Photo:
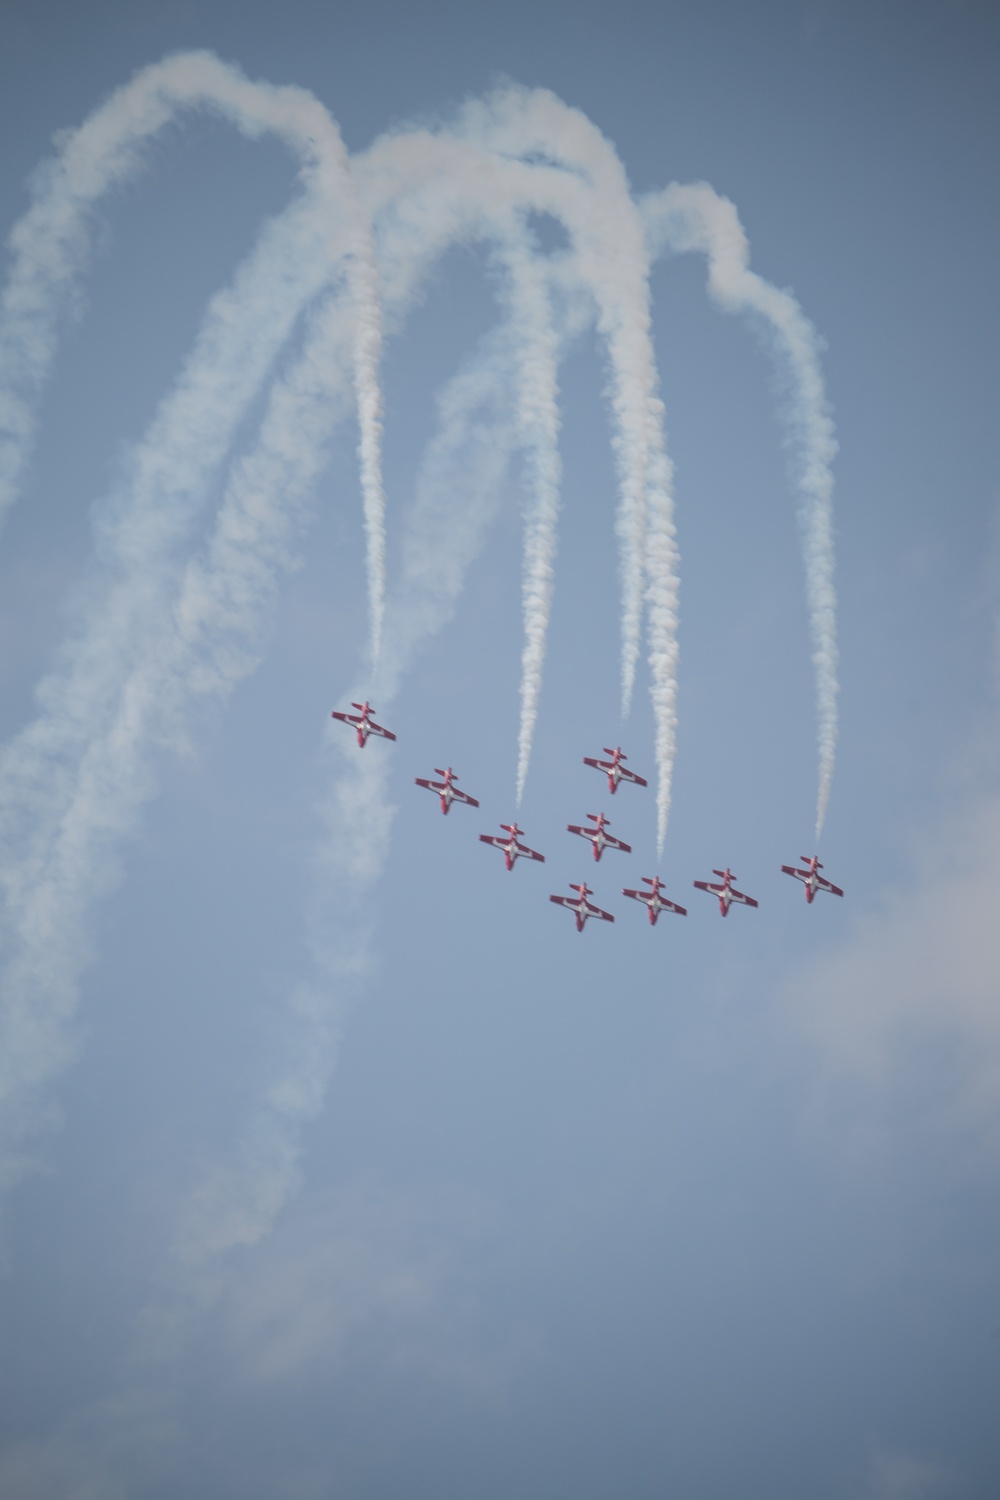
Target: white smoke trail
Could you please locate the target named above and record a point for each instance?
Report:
(50, 246)
(694, 217)
(132, 683)
(443, 190)
(102, 798)
(613, 260)
(132, 678)
(438, 190)
(202, 647)
(531, 153)
(483, 424)
(662, 597)
(529, 303)
(423, 192)
(59, 823)
(463, 473)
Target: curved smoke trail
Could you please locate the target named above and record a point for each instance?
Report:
(424, 192)
(613, 261)
(520, 152)
(57, 821)
(200, 645)
(129, 684)
(158, 640)
(50, 248)
(695, 218)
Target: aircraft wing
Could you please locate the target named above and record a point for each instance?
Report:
(564, 901)
(799, 874)
(672, 906)
(432, 786)
(706, 885)
(736, 895)
(598, 765)
(585, 833)
(463, 797)
(494, 839)
(374, 728)
(595, 911)
(527, 853)
(614, 843)
(351, 719)
(828, 885)
(627, 775)
(643, 896)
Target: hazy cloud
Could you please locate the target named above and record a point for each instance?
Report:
(896, 1475)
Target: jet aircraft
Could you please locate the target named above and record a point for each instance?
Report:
(810, 877)
(614, 769)
(363, 722)
(581, 907)
(653, 901)
(446, 789)
(597, 835)
(512, 847)
(726, 892)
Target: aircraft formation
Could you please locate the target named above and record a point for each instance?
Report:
(511, 846)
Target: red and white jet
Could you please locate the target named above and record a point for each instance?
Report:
(581, 907)
(614, 769)
(726, 892)
(597, 835)
(446, 789)
(653, 901)
(512, 847)
(363, 723)
(812, 880)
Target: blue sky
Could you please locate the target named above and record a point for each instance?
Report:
(361, 1171)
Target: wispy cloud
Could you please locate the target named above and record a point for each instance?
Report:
(917, 977)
